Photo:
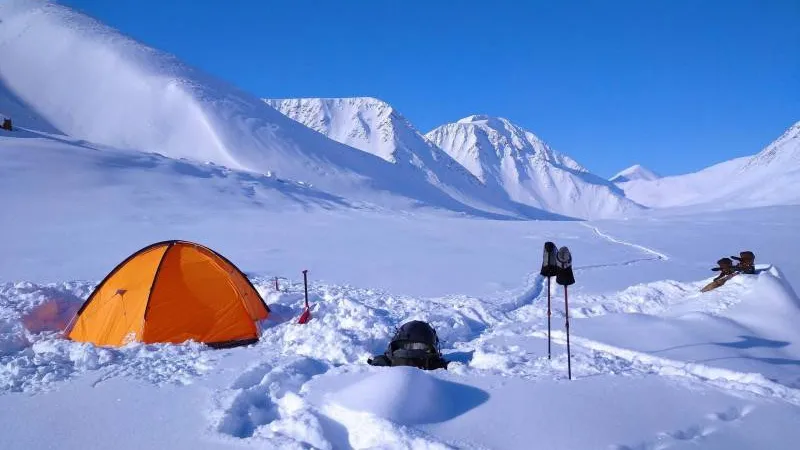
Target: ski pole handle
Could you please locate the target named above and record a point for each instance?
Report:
(305, 285)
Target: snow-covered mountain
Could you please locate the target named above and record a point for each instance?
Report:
(505, 155)
(375, 127)
(92, 83)
(365, 123)
(634, 172)
(781, 156)
(771, 177)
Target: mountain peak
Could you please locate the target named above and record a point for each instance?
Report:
(483, 119)
(634, 172)
(503, 155)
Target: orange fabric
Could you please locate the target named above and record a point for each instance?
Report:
(115, 310)
(194, 298)
(252, 301)
(195, 294)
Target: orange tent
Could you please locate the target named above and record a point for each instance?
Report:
(171, 291)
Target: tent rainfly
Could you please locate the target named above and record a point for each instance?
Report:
(171, 291)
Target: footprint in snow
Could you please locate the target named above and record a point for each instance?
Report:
(253, 397)
(694, 433)
(731, 414)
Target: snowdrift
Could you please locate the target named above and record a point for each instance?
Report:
(113, 91)
(409, 396)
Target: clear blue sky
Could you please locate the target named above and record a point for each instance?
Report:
(675, 85)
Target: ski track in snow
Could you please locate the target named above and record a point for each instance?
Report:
(656, 254)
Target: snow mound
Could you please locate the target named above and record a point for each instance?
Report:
(505, 156)
(635, 172)
(409, 396)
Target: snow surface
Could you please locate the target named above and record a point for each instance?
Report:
(655, 363)
(504, 155)
(634, 172)
(768, 178)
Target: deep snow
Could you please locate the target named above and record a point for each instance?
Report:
(655, 363)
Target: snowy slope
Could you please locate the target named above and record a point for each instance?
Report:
(634, 172)
(771, 177)
(115, 92)
(501, 154)
(368, 124)
(375, 127)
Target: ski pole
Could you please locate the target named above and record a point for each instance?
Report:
(306, 316)
(566, 312)
(565, 277)
(305, 285)
(548, 317)
(549, 270)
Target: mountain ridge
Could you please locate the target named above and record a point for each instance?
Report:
(376, 127)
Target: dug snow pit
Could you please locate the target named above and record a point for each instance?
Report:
(409, 396)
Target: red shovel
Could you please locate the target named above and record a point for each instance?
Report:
(306, 316)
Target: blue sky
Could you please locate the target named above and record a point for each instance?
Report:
(674, 85)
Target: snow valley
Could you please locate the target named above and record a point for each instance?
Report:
(129, 146)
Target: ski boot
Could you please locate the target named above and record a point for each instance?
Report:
(747, 262)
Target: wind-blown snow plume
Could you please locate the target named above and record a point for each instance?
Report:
(504, 155)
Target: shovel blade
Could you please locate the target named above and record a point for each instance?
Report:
(305, 317)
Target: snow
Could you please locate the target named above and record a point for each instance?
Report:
(655, 363)
(634, 172)
(505, 156)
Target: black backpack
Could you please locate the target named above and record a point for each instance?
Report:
(414, 344)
